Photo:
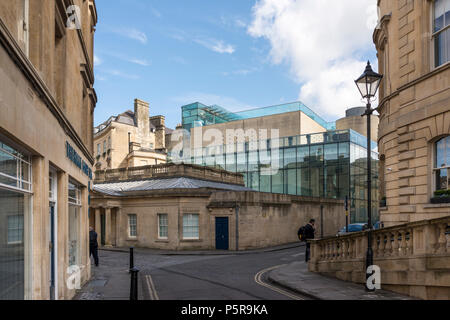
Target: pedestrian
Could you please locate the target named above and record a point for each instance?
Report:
(93, 245)
(309, 233)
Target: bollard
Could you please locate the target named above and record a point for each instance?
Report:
(131, 258)
(134, 284)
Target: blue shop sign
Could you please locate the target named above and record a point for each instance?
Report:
(76, 160)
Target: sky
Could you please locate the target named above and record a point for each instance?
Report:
(239, 54)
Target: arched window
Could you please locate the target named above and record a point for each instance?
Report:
(442, 164)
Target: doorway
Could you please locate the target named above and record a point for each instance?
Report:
(222, 241)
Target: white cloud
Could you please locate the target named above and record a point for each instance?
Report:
(208, 99)
(216, 45)
(121, 74)
(97, 61)
(133, 34)
(323, 43)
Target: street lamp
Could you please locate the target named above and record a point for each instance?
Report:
(368, 85)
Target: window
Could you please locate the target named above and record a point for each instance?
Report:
(190, 226)
(163, 223)
(441, 32)
(104, 146)
(132, 225)
(98, 149)
(442, 164)
(74, 199)
(15, 230)
(109, 142)
(15, 169)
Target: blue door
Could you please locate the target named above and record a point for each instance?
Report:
(222, 234)
(52, 252)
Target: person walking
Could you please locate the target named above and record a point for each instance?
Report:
(93, 245)
(309, 234)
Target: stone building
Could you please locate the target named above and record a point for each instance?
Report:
(131, 139)
(189, 207)
(47, 102)
(413, 43)
(413, 250)
(355, 121)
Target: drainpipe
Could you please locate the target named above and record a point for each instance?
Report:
(237, 207)
(321, 221)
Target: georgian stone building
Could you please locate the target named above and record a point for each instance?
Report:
(47, 102)
(131, 139)
(190, 207)
(413, 43)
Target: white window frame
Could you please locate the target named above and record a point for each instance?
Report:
(22, 185)
(160, 215)
(8, 228)
(435, 164)
(191, 225)
(130, 216)
(77, 200)
(434, 36)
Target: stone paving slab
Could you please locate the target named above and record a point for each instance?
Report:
(296, 277)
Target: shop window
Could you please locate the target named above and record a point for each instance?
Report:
(74, 199)
(132, 226)
(15, 229)
(191, 226)
(15, 169)
(163, 226)
(441, 32)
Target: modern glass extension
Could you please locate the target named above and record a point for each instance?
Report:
(329, 165)
(198, 114)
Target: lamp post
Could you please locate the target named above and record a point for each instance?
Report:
(368, 84)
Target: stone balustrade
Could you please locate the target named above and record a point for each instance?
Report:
(414, 258)
(167, 171)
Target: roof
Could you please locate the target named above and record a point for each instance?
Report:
(122, 188)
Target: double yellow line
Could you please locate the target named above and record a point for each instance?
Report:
(258, 280)
(151, 288)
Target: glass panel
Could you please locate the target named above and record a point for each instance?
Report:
(8, 164)
(73, 235)
(191, 226)
(303, 182)
(265, 183)
(440, 153)
(163, 225)
(290, 158)
(303, 156)
(15, 207)
(441, 179)
(231, 162)
(253, 180)
(290, 181)
(277, 182)
(439, 14)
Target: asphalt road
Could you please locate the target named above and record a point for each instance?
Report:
(214, 277)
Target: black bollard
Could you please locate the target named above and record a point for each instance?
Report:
(134, 284)
(131, 258)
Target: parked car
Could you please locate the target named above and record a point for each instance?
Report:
(354, 227)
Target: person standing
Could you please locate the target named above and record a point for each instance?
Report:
(310, 231)
(93, 245)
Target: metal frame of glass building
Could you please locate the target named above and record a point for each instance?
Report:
(332, 164)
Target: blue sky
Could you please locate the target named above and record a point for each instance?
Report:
(239, 54)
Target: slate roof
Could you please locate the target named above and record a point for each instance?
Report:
(122, 188)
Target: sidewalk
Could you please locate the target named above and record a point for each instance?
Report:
(297, 278)
(205, 252)
(109, 281)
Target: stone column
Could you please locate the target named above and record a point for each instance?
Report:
(98, 225)
(108, 227)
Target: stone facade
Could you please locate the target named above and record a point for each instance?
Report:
(47, 102)
(264, 219)
(355, 121)
(131, 139)
(414, 110)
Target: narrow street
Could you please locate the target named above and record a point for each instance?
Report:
(195, 277)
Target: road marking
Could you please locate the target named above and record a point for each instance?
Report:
(151, 288)
(297, 255)
(258, 280)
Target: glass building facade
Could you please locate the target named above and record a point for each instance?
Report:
(329, 165)
(198, 114)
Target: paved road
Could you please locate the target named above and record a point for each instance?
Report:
(214, 277)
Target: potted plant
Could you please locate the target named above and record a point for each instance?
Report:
(441, 196)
